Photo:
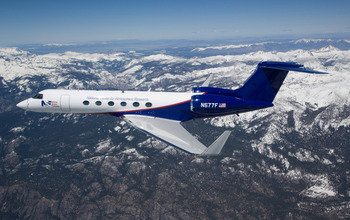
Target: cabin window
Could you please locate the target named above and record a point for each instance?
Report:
(86, 102)
(123, 103)
(136, 104)
(148, 104)
(110, 103)
(98, 102)
(38, 96)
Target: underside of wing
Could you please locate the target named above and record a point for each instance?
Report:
(169, 131)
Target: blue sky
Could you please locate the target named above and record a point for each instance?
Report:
(61, 21)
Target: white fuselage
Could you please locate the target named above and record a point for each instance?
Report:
(101, 101)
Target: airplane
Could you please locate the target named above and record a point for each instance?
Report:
(160, 114)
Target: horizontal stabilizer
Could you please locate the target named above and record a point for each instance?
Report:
(289, 66)
(215, 148)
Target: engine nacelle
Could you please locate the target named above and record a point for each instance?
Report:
(222, 105)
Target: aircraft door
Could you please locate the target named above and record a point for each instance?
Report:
(65, 105)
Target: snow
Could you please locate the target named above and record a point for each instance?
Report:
(294, 174)
(170, 150)
(319, 192)
(226, 47)
(103, 146)
(321, 89)
(90, 57)
(57, 45)
(326, 161)
(85, 152)
(16, 63)
(162, 58)
(13, 51)
(303, 155)
(285, 163)
(129, 137)
(17, 129)
(322, 187)
(132, 70)
(94, 160)
(300, 91)
(222, 47)
(227, 160)
(198, 160)
(311, 40)
(132, 152)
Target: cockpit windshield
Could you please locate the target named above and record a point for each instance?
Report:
(38, 96)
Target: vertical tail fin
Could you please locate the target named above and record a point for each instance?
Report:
(267, 79)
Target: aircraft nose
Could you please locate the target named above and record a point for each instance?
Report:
(23, 104)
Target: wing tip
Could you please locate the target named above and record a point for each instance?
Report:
(207, 81)
(215, 148)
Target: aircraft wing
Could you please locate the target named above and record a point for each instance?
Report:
(173, 133)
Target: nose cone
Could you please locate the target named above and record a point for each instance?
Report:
(23, 104)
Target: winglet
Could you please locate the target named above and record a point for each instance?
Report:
(215, 148)
(207, 81)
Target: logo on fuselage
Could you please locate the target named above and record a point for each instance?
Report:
(53, 104)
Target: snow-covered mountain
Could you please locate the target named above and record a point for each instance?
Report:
(293, 157)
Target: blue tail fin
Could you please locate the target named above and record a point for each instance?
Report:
(267, 79)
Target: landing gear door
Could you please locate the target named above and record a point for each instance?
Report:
(65, 105)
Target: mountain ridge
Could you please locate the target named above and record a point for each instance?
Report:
(288, 161)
